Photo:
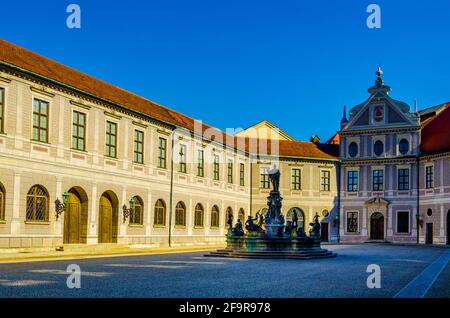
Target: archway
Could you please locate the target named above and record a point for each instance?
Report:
(377, 226)
(448, 227)
(75, 218)
(108, 218)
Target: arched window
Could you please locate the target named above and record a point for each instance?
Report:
(136, 216)
(37, 204)
(403, 146)
(215, 216)
(378, 148)
(2, 202)
(198, 215)
(180, 214)
(353, 149)
(241, 215)
(160, 213)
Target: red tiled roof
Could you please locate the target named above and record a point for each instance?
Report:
(436, 132)
(40, 65)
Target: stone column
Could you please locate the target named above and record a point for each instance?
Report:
(15, 221)
(442, 230)
(58, 194)
(60, 147)
(364, 223)
(148, 225)
(389, 221)
(92, 216)
(190, 217)
(122, 226)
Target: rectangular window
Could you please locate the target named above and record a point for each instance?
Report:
(40, 120)
(352, 181)
(200, 165)
(296, 185)
(2, 110)
(242, 175)
(403, 222)
(79, 131)
(325, 180)
(352, 222)
(138, 156)
(403, 179)
(377, 180)
(216, 167)
(230, 171)
(162, 148)
(111, 139)
(182, 166)
(429, 177)
(264, 178)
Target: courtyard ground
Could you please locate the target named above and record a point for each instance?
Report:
(406, 271)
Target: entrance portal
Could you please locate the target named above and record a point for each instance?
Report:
(377, 226)
(324, 232)
(75, 218)
(108, 217)
(429, 233)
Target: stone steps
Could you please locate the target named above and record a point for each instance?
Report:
(304, 254)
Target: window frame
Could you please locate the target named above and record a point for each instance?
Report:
(162, 153)
(159, 209)
(355, 185)
(347, 229)
(408, 223)
(355, 148)
(108, 137)
(200, 163)
(32, 195)
(136, 144)
(379, 143)
(2, 109)
(242, 174)
(199, 209)
(40, 115)
(264, 182)
(2, 202)
(76, 138)
(216, 219)
(216, 168)
(138, 202)
(182, 163)
(180, 208)
(429, 176)
(403, 180)
(378, 180)
(325, 181)
(230, 171)
(402, 142)
(296, 179)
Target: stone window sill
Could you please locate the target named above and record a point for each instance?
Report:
(37, 222)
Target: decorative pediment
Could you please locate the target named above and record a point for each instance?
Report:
(378, 201)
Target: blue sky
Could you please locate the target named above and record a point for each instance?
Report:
(233, 63)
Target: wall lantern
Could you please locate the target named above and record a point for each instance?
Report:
(61, 207)
(127, 211)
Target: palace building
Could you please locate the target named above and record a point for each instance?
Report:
(85, 162)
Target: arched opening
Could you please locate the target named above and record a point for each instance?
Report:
(108, 218)
(180, 214)
(215, 216)
(241, 215)
(2, 202)
(76, 217)
(198, 215)
(377, 226)
(300, 215)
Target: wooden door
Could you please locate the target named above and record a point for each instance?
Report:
(324, 232)
(105, 214)
(429, 233)
(72, 220)
(377, 226)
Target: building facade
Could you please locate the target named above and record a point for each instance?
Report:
(84, 162)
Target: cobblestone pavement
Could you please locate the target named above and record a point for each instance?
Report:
(193, 275)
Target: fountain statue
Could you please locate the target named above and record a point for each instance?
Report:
(268, 236)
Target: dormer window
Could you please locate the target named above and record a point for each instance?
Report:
(378, 148)
(353, 149)
(403, 146)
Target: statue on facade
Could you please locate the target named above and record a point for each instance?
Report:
(274, 178)
(238, 229)
(294, 219)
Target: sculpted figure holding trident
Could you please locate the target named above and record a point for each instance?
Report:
(274, 177)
